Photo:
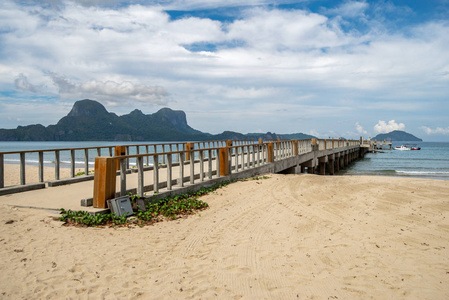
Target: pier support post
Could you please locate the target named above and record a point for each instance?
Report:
(224, 161)
(322, 165)
(331, 164)
(104, 181)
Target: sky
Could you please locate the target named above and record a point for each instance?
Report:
(327, 68)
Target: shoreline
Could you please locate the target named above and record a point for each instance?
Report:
(283, 237)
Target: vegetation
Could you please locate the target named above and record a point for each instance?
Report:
(169, 208)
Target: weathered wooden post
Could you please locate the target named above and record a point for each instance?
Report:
(189, 148)
(118, 151)
(224, 161)
(104, 181)
(270, 153)
(296, 147)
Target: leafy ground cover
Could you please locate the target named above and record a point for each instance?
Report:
(169, 208)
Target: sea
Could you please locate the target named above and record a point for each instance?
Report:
(432, 161)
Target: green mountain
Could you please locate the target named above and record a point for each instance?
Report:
(90, 121)
(397, 136)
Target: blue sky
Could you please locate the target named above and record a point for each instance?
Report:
(327, 68)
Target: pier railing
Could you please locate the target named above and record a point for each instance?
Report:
(82, 159)
(169, 164)
(195, 165)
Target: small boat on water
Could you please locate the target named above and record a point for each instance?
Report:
(407, 147)
(402, 148)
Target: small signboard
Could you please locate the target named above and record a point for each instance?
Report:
(121, 206)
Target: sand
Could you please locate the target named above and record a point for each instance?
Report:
(287, 237)
(12, 174)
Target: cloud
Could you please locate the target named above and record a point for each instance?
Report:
(360, 129)
(110, 91)
(383, 127)
(351, 9)
(128, 53)
(438, 130)
(22, 83)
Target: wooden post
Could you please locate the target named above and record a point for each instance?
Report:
(270, 153)
(224, 161)
(189, 148)
(296, 147)
(260, 141)
(118, 151)
(104, 181)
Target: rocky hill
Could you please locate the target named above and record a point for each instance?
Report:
(90, 121)
(397, 136)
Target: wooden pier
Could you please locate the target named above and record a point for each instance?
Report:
(176, 168)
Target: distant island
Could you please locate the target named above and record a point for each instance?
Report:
(90, 121)
(397, 136)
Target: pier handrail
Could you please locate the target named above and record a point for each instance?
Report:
(281, 149)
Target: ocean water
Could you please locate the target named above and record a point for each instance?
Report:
(432, 161)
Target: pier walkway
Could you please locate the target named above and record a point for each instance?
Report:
(178, 168)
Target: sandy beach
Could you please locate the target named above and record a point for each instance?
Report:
(287, 237)
(12, 173)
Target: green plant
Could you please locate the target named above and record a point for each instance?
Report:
(171, 207)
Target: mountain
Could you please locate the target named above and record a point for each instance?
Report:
(397, 136)
(88, 120)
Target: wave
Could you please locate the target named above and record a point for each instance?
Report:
(424, 172)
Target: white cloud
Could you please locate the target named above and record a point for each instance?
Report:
(360, 129)
(110, 91)
(438, 130)
(383, 127)
(269, 57)
(350, 9)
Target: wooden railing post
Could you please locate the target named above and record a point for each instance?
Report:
(270, 153)
(189, 148)
(224, 161)
(104, 181)
(118, 151)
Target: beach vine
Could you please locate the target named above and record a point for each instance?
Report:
(157, 210)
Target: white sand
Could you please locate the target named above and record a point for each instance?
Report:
(12, 174)
(288, 237)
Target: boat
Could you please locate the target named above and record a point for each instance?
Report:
(414, 147)
(402, 148)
